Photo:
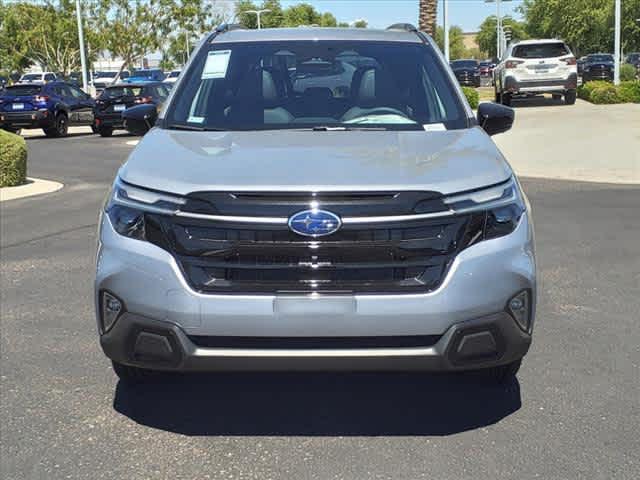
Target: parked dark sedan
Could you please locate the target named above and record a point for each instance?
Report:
(467, 72)
(598, 66)
(53, 107)
(113, 101)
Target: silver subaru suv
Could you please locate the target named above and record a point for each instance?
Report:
(316, 199)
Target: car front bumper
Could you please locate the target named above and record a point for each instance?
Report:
(164, 316)
(27, 119)
(597, 75)
(515, 85)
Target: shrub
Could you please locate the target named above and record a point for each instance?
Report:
(600, 92)
(629, 92)
(472, 96)
(13, 159)
(605, 94)
(627, 72)
(587, 89)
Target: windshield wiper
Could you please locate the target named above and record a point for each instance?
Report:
(326, 128)
(194, 128)
(176, 126)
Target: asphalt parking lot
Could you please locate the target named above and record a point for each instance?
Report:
(573, 413)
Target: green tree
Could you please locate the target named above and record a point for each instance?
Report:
(131, 29)
(292, 16)
(586, 25)
(457, 49)
(44, 34)
(362, 23)
(487, 36)
(301, 14)
(190, 19)
(328, 20)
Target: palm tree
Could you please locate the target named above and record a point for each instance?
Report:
(427, 16)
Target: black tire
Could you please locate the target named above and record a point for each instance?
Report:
(570, 97)
(133, 375)
(105, 131)
(498, 98)
(506, 99)
(60, 127)
(501, 374)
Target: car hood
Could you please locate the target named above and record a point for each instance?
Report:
(182, 162)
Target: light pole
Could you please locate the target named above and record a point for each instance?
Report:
(498, 26)
(258, 13)
(445, 13)
(83, 60)
(616, 48)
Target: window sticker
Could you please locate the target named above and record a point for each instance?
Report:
(193, 119)
(434, 127)
(216, 65)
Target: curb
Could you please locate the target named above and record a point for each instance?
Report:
(34, 186)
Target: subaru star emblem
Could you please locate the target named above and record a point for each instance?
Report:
(314, 223)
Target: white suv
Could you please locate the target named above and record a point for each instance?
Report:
(534, 67)
(40, 77)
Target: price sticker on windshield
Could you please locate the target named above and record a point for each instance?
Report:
(216, 65)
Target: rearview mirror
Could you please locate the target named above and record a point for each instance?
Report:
(495, 118)
(139, 120)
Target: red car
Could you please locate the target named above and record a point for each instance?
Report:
(486, 69)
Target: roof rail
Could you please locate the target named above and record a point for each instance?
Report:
(407, 27)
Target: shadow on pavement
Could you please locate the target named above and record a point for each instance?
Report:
(318, 404)
(538, 101)
(70, 135)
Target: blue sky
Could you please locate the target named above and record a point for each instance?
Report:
(382, 13)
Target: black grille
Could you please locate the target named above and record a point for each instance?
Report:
(393, 257)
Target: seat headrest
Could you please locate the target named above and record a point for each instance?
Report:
(370, 86)
(259, 85)
(269, 88)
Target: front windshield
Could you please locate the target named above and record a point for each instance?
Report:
(306, 84)
(106, 74)
(600, 58)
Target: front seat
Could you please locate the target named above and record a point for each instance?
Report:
(370, 88)
(258, 100)
(272, 98)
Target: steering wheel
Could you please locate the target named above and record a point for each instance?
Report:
(381, 111)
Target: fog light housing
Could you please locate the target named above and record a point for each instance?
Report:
(519, 307)
(111, 307)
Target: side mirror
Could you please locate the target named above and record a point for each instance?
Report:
(495, 118)
(139, 120)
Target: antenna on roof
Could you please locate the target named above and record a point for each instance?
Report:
(226, 27)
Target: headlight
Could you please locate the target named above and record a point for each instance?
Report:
(503, 206)
(127, 205)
